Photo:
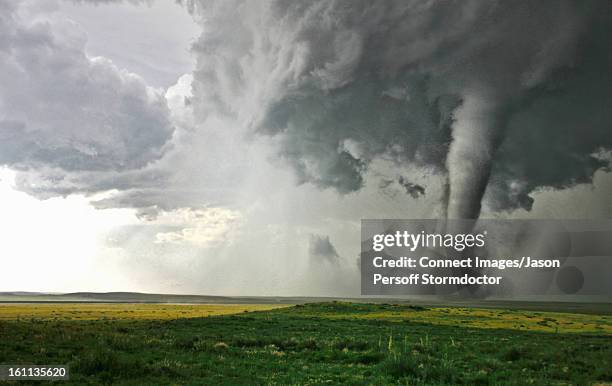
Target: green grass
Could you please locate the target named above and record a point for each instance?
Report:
(319, 343)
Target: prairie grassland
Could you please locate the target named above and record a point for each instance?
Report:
(329, 343)
(556, 322)
(118, 311)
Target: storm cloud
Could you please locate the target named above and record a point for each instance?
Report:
(491, 94)
(299, 119)
(320, 249)
(65, 116)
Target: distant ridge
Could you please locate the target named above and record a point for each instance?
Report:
(145, 297)
(27, 293)
(599, 306)
(134, 297)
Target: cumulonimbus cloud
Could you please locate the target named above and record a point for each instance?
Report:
(503, 97)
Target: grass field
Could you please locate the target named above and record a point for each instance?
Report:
(108, 311)
(308, 344)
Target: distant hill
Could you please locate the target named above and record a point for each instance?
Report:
(578, 305)
(137, 297)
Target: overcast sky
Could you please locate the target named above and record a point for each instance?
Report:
(232, 148)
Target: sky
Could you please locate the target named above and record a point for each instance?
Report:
(232, 148)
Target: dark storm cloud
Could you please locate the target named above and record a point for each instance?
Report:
(320, 248)
(414, 190)
(503, 97)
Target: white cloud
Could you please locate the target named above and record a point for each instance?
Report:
(147, 37)
(61, 109)
(205, 228)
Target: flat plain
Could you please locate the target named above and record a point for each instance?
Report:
(333, 342)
